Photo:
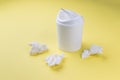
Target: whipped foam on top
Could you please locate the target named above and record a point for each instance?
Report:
(68, 17)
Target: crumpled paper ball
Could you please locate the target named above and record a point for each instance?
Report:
(96, 49)
(93, 50)
(54, 59)
(37, 48)
(85, 54)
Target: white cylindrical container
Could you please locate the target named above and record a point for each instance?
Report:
(69, 30)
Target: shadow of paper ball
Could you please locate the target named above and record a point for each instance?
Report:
(37, 54)
(103, 57)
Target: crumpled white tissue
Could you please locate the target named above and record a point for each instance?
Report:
(37, 48)
(93, 50)
(85, 54)
(54, 59)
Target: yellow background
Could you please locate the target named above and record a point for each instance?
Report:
(25, 21)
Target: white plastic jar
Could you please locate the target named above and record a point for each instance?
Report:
(69, 30)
